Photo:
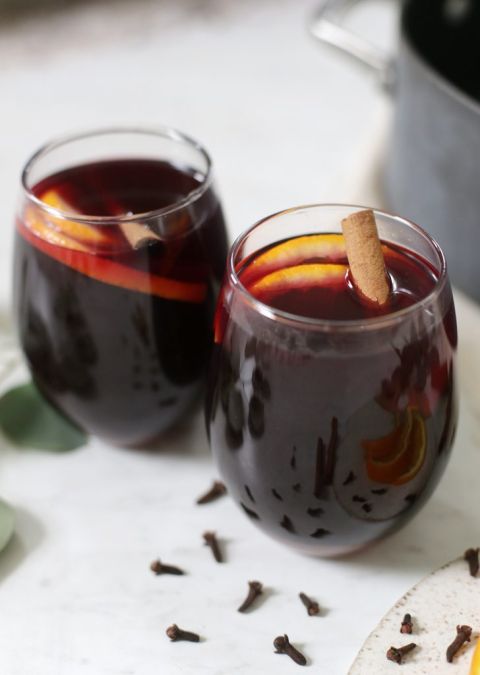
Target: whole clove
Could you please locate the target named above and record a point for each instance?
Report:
(176, 634)
(255, 588)
(464, 634)
(471, 556)
(313, 607)
(407, 625)
(396, 654)
(217, 490)
(212, 542)
(283, 646)
(158, 568)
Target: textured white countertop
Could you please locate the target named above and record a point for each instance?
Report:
(285, 122)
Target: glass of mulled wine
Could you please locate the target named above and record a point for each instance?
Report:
(331, 420)
(120, 251)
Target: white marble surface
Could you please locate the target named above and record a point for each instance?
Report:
(285, 123)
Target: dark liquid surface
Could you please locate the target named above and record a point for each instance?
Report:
(118, 338)
(410, 280)
(116, 187)
(329, 443)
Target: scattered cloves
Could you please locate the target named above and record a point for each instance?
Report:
(471, 556)
(158, 568)
(312, 607)
(175, 634)
(282, 646)
(407, 625)
(217, 490)
(212, 542)
(464, 634)
(255, 589)
(396, 654)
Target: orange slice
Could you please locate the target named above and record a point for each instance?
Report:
(82, 231)
(417, 449)
(475, 665)
(35, 222)
(81, 259)
(314, 248)
(396, 458)
(300, 276)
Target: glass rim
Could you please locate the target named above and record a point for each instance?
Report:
(332, 325)
(166, 132)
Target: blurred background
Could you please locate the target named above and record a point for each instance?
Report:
(283, 117)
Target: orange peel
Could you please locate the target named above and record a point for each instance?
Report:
(88, 234)
(35, 222)
(300, 276)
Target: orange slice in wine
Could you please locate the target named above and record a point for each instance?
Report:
(88, 234)
(62, 248)
(298, 277)
(417, 450)
(34, 221)
(316, 248)
(395, 459)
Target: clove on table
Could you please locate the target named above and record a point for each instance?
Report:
(255, 588)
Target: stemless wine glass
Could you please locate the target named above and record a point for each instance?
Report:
(330, 434)
(120, 250)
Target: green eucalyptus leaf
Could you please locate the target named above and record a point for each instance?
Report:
(28, 420)
(7, 519)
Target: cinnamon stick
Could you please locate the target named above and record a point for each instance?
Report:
(137, 235)
(365, 256)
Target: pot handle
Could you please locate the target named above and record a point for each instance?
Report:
(326, 26)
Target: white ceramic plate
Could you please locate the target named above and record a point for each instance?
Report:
(445, 598)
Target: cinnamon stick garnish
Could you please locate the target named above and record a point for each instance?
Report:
(136, 234)
(365, 256)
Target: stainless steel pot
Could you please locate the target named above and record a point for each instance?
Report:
(432, 173)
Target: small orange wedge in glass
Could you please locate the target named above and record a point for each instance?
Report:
(396, 458)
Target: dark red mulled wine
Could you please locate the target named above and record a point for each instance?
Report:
(331, 420)
(117, 268)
